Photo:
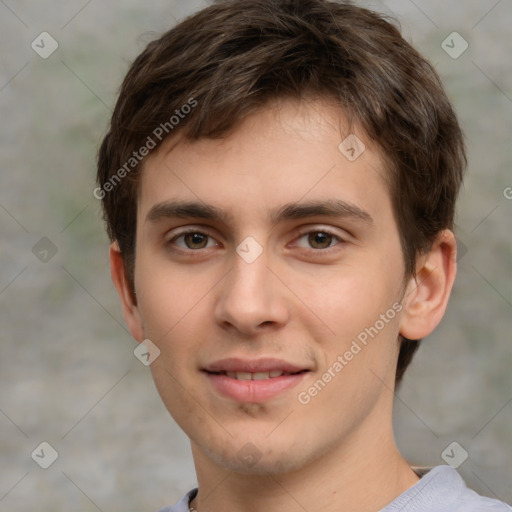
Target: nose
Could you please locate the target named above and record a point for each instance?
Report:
(251, 298)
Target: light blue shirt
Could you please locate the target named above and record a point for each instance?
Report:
(439, 490)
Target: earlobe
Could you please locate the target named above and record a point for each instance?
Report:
(129, 306)
(427, 293)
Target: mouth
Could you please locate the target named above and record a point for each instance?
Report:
(253, 381)
(256, 375)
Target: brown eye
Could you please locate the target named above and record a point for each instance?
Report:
(195, 240)
(320, 239)
(191, 241)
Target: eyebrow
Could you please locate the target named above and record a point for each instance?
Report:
(290, 211)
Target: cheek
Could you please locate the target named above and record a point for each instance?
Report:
(361, 308)
(358, 359)
(175, 323)
(352, 299)
(167, 295)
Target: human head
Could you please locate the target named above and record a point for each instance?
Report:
(206, 75)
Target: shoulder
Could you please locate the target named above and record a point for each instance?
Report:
(471, 501)
(182, 505)
(442, 489)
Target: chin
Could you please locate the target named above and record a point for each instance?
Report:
(250, 460)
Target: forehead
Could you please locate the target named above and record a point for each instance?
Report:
(285, 152)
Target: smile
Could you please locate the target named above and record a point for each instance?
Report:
(253, 380)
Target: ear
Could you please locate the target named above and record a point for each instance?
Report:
(427, 293)
(130, 309)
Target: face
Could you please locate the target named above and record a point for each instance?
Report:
(269, 274)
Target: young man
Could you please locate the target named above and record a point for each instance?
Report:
(279, 184)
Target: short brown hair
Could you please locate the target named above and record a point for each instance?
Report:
(235, 56)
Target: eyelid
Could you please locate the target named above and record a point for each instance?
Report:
(315, 228)
(188, 228)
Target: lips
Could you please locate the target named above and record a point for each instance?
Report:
(253, 380)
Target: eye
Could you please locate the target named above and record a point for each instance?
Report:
(193, 240)
(318, 239)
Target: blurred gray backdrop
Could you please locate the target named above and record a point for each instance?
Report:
(68, 375)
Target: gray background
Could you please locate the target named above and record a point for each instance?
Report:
(68, 375)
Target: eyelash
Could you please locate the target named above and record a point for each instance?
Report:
(302, 234)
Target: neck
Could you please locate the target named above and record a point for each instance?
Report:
(364, 475)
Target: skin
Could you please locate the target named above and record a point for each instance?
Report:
(301, 301)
